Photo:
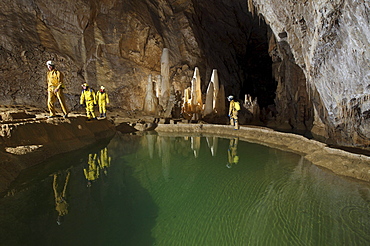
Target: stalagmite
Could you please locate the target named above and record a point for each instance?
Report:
(208, 107)
(216, 88)
(252, 106)
(186, 107)
(150, 103)
(197, 100)
(220, 101)
(165, 73)
(158, 86)
(196, 95)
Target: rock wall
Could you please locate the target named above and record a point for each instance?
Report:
(25, 143)
(119, 44)
(330, 43)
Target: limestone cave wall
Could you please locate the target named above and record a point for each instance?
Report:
(329, 41)
(309, 59)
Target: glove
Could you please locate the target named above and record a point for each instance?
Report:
(82, 105)
(229, 115)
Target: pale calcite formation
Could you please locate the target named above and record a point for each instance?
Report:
(151, 101)
(196, 95)
(165, 75)
(208, 106)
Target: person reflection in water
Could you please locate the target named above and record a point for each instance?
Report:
(232, 155)
(61, 205)
(104, 161)
(92, 170)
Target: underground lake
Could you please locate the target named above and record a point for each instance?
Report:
(153, 189)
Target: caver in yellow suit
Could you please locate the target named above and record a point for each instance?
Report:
(88, 98)
(102, 99)
(233, 113)
(104, 160)
(54, 80)
(232, 156)
(92, 171)
(61, 205)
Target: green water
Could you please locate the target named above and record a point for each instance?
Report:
(162, 190)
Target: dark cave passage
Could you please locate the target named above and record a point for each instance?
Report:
(236, 43)
(251, 61)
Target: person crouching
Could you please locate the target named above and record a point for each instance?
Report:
(89, 100)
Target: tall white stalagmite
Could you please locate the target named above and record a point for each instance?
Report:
(165, 73)
(150, 102)
(158, 85)
(216, 87)
(198, 90)
(196, 95)
(208, 107)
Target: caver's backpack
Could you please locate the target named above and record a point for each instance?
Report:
(237, 105)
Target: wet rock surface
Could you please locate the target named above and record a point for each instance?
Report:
(25, 142)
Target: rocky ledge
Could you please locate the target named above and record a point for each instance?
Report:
(27, 139)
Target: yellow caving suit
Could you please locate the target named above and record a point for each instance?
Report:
(92, 172)
(232, 156)
(233, 114)
(104, 160)
(61, 205)
(88, 98)
(54, 80)
(103, 99)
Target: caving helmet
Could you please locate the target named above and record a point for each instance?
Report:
(102, 88)
(230, 98)
(85, 85)
(50, 63)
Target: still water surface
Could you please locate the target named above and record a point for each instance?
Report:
(165, 190)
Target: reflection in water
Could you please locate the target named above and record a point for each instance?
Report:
(212, 143)
(232, 155)
(61, 205)
(92, 170)
(96, 164)
(166, 190)
(195, 145)
(104, 160)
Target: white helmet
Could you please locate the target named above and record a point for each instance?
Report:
(230, 98)
(49, 63)
(102, 87)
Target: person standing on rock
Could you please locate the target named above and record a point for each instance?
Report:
(102, 99)
(88, 98)
(55, 84)
(233, 112)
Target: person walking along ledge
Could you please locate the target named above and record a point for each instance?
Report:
(54, 80)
